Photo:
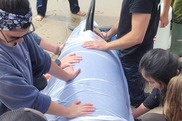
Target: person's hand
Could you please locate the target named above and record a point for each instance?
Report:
(96, 44)
(70, 60)
(164, 20)
(103, 35)
(71, 72)
(98, 32)
(77, 109)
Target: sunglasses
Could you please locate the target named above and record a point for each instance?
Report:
(31, 29)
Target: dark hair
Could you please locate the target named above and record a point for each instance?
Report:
(160, 65)
(19, 7)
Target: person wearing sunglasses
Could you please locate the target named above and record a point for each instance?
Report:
(21, 59)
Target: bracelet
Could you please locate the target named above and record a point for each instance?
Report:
(58, 52)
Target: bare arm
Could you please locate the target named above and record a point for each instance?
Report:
(75, 110)
(48, 46)
(140, 111)
(68, 60)
(135, 36)
(107, 35)
(164, 20)
(113, 30)
(66, 75)
(53, 48)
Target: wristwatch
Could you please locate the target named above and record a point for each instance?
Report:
(58, 62)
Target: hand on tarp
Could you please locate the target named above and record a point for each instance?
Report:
(95, 44)
(77, 109)
(70, 60)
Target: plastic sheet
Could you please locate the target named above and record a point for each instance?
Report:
(100, 82)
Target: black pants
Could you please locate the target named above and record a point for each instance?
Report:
(74, 6)
(136, 83)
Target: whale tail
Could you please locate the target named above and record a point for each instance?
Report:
(90, 19)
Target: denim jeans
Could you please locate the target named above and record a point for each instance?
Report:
(41, 7)
(74, 6)
(136, 83)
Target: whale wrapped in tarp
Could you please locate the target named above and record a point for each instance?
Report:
(101, 81)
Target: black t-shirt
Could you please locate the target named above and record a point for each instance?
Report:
(154, 99)
(139, 6)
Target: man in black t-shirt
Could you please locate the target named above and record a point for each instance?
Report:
(135, 32)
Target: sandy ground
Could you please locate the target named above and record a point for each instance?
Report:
(54, 26)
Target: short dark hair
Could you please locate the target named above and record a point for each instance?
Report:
(19, 7)
(160, 65)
